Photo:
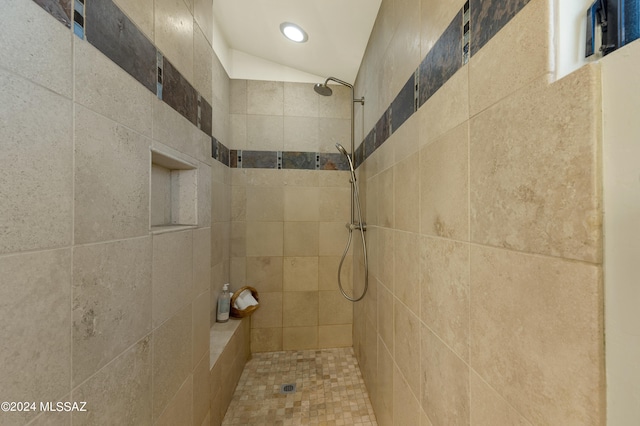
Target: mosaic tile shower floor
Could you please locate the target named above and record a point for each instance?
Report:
(330, 390)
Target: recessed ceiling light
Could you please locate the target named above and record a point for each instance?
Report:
(293, 32)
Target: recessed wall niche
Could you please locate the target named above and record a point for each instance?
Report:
(174, 192)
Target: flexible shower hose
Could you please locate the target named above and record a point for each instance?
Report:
(361, 227)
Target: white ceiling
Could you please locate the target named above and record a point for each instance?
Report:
(338, 34)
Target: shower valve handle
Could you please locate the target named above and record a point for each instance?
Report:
(359, 226)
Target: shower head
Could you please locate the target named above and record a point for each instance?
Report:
(342, 150)
(323, 89)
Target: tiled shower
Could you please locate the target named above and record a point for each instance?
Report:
(481, 177)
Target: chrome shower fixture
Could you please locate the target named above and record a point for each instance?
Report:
(325, 90)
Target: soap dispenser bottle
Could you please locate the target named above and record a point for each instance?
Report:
(224, 304)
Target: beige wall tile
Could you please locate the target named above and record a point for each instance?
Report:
(172, 275)
(328, 272)
(121, 391)
(489, 408)
(300, 274)
(386, 199)
(297, 338)
(265, 133)
(517, 344)
(406, 138)
(203, 15)
(180, 409)
(238, 203)
(445, 292)
(386, 255)
(385, 316)
(204, 200)
(406, 352)
(444, 186)
(383, 402)
(201, 260)
(265, 97)
(172, 359)
(301, 238)
(436, 16)
(336, 105)
(173, 32)
(534, 183)
(333, 178)
(407, 270)
(333, 238)
(446, 109)
(37, 202)
(332, 131)
(238, 271)
(406, 193)
(35, 47)
(201, 390)
(404, 47)
(301, 204)
(174, 131)
(109, 156)
(300, 308)
(202, 63)
(335, 336)
(269, 314)
(300, 100)
(104, 87)
(140, 12)
(265, 273)
(265, 204)
(238, 131)
(300, 178)
(335, 204)
(53, 418)
(238, 239)
(265, 238)
(511, 59)
(445, 382)
(406, 407)
(238, 98)
(266, 339)
(111, 302)
(35, 331)
(200, 326)
(301, 134)
(334, 308)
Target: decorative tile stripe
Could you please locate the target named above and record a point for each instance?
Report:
(220, 152)
(206, 123)
(160, 73)
(112, 32)
(489, 16)
(478, 20)
(403, 106)
(178, 93)
(442, 61)
(59, 9)
(290, 160)
(466, 33)
(78, 18)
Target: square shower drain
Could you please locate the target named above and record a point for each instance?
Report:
(288, 388)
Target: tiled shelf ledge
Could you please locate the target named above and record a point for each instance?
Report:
(220, 335)
(229, 351)
(162, 229)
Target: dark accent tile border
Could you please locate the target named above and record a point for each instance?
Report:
(59, 9)
(442, 61)
(259, 159)
(206, 116)
(489, 16)
(112, 33)
(403, 105)
(331, 161)
(299, 160)
(178, 93)
(290, 160)
(108, 29)
(476, 23)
